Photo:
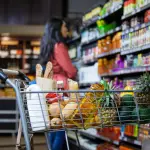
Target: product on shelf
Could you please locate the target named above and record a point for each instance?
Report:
(147, 16)
(36, 50)
(125, 147)
(129, 6)
(112, 133)
(85, 77)
(9, 92)
(131, 61)
(136, 38)
(132, 5)
(95, 12)
(106, 146)
(108, 44)
(131, 130)
(109, 7)
(137, 60)
(88, 55)
(98, 32)
(116, 41)
(89, 34)
(144, 132)
(104, 27)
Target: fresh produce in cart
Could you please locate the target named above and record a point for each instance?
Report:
(142, 97)
(103, 105)
(143, 85)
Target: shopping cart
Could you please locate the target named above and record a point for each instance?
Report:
(40, 111)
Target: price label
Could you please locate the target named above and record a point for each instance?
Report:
(106, 14)
(138, 10)
(131, 30)
(111, 31)
(18, 56)
(137, 28)
(125, 139)
(127, 31)
(143, 25)
(12, 56)
(35, 57)
(123, 17)
(118, 28)
(137, 142)
(116, 142)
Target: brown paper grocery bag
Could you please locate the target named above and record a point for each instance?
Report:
(46, 84)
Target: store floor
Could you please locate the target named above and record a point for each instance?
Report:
(8, 142)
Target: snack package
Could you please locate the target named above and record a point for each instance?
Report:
(73, 85)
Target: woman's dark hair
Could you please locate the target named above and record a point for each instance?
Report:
(52, 35)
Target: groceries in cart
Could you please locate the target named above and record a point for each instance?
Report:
(50, 107)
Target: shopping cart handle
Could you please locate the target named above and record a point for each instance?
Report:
(3, 76)
(22, 76)
(5, 72)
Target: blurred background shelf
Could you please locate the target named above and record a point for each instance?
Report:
(102, 36)
(93, 21)
(128, 71)
(138, 10)
(134, 50)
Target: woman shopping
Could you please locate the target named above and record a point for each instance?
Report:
(54, 49)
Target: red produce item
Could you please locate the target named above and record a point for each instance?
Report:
(53, 97)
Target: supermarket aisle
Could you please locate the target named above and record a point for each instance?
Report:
(8, 143)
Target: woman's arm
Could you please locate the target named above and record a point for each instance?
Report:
(62, 57)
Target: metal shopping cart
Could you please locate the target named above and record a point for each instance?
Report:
(50, 111)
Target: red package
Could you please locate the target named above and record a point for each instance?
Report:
(53, 97)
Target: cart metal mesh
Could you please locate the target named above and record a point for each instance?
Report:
(88, 109)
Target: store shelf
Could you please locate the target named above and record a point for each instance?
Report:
(131, 141)
(12, 57)
(128, 71)
(2, 86)
(7, 98)
(102, 36)
(74, 40)
(138, 10)
(84, 143)
(90, 62)
(93, 21)
(93, 135)
(134, 50)
(86, 84)
(143, 25)
(9, 120)
(8, 112)
(90, 23)
(109, 53)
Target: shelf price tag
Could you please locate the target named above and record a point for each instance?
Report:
(127, 31)
(137, 142)
(131, 30)
(138, 10)
(125, 139)
(143, 25)
(133, 12)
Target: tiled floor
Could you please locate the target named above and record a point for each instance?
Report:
(8, 143)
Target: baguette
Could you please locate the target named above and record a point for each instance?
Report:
(48, 69)
(39, 70)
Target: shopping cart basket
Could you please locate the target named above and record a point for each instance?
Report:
(50, 111)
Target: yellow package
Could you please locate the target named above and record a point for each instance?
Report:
(73, 86)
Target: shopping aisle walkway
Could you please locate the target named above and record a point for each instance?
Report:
(8, 142)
